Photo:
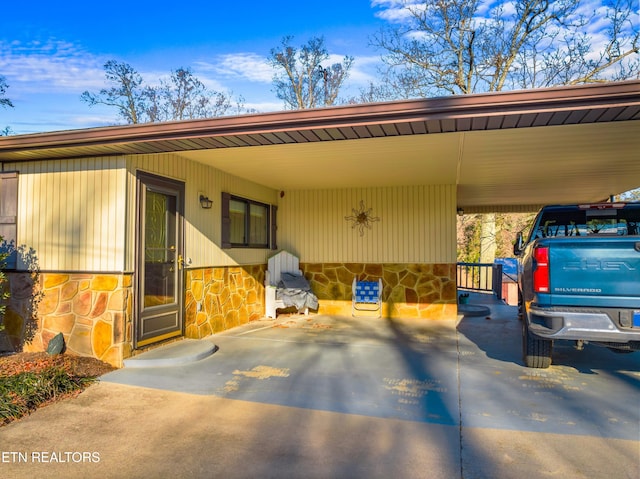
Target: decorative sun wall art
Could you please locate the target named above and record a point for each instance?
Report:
(362, 218)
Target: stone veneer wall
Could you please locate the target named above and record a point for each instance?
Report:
(426, 291)
(220, 298)
(92, 311)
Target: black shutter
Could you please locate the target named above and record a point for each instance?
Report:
(226, 221)
(274, 227)
(9, 215)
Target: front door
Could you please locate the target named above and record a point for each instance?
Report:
(160, 259)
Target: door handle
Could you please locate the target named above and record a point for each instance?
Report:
(180, 262)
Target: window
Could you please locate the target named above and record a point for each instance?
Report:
(9, 215)
(247, 223)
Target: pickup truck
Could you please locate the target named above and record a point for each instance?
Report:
(579, 279)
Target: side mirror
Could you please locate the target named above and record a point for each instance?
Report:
(518, 246)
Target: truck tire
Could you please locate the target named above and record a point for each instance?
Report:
(536, 352)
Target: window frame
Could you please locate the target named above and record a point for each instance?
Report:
(9, 217)
(270, 227)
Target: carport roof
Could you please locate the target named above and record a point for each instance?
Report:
(504, 151)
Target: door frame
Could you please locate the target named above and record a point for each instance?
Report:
(148, 181)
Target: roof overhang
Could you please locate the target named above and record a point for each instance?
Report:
(507, 150)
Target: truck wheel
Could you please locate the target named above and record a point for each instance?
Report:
(520, 305)
(535, 352)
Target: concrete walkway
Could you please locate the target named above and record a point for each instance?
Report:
(328, 397)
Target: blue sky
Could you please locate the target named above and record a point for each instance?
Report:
(50, 52)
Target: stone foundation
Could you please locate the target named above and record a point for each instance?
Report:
(221, 298)
(425, 291)
(92, 311)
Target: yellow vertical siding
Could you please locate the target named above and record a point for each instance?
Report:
(202, 226)
(70, 213)
(416, 225)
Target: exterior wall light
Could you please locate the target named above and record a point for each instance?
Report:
(460, 212)
(205, 202)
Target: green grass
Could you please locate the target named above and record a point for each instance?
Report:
(24, 392)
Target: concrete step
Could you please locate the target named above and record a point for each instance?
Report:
(174, 354)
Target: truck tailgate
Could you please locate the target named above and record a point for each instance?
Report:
(596, 268)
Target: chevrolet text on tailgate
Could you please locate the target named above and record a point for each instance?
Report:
(579, 279)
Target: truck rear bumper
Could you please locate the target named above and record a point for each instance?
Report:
(588, 325)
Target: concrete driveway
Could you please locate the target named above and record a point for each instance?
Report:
(328, 397)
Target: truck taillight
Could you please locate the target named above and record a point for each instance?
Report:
(541, 271)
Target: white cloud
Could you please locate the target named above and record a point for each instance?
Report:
(395, 11)
(51, 66)
(248, 66)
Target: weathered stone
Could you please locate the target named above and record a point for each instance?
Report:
(390, 278)
(118, 327)
(344, 276)
(410, 280)
(114, 356)
(191, 313)
(79, 341)
(207, 275)
(373, 270)
(236, 301)
(217, 287)
(354, 268)
(64, 308)
(319, 279)
(396, 295)
(231, 319)
(449, 291)
(59, 323)
(331, 274)
(68, 290)
(49, 302)
(52, 280)
(311, 267)
(117, 300)
(224, 296)
(204, 331)
(82, 303)
(217, 323)
(197, 288)
(411, 296)
(201, 318)
(191, 331)
(56, 345)
(99, 305)
(444, 270)
(102, 335)
(127, 281)
(252, 297)
(103, 282)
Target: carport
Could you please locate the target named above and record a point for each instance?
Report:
(77, 199)
(503, 151)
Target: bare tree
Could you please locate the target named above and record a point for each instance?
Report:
(454, 47)
(301, 80)
(182, 97)
(126, 94)
(4, 102)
